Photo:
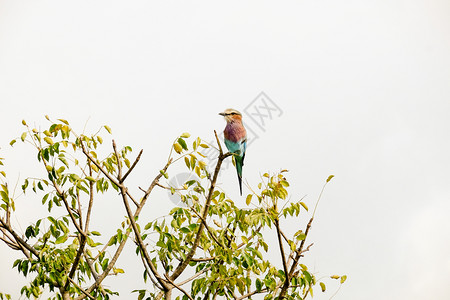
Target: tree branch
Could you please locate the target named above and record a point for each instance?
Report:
(18, 239)
(183, 264)
(280, 244)
(137, 234)
(81, 289)
(132, 167)
(298, 254)
(252, 293)
(195, 275)
(178, 287)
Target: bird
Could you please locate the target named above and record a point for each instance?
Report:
(235, 137)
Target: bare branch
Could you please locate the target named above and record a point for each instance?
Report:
(18, 239)
(298, 254)
(195, 275)
(252, 293)
(280, 244)
(77, 259)
(91, 201)
(178, 287)
(81, 289)
(119, 166)
(132, 167)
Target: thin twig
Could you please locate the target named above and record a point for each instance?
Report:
(252, 293)
(280, 244)
(178, 287)
(132, 167)
(196, 275)
(81, 289)
(18, 239)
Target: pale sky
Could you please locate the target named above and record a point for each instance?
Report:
(362, 88)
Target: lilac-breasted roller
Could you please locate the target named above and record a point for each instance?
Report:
(235, 137)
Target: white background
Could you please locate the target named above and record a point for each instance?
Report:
(364, 87)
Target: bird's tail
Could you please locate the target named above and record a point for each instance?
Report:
(239, 163)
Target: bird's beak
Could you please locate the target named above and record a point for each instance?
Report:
(222, 114)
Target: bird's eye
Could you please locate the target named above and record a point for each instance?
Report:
(233, 113)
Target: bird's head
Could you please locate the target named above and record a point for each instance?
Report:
(231, 115)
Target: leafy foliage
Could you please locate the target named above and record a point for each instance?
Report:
(224, 246)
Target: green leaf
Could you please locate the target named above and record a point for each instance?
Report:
(164, 174)
(12, 142)
(91, 179)
(61, 239)
(258, 284)
(185, 230)
(308, 276)
(329, 178)
(4, 196)
(182, 143)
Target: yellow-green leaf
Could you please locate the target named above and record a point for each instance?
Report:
(48, 140)
(177, 147)
(329, 178)
(12, 142)
(64, 121)
(197, 171)
(24, 123)
(335, 276)
(186, 161)
(61, 239)
(304, 206)
(249, 199)
(322, 285)
(23, 136)
(201, 164)
(107, 129)
(185, 135)
(343, 278)
(49, 168)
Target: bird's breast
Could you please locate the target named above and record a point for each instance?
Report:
(234, 132)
